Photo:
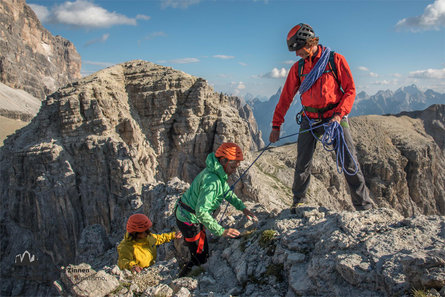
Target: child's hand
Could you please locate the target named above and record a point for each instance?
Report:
(178, 235)
(136, 268)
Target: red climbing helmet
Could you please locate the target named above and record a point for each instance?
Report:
(138, 223)
(298, 35)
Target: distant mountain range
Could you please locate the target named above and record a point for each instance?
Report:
(408, 98)
(388, 102)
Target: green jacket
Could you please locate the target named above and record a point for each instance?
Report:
(206, 194)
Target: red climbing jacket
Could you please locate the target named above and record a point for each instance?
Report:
(324, 93)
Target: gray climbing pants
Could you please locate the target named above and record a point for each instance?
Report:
(306, 147)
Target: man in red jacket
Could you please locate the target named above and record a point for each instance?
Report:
(329, 99)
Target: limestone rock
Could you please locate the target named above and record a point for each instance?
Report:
(31, 58)
(17, 104)
(315, 252)
(87, 282)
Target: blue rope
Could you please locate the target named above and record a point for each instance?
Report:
(333, 139)
(316, 72)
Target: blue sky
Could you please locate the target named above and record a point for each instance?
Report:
(239, 47)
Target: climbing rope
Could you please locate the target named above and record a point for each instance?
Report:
(333, 139)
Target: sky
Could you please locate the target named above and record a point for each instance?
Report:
(240, 47)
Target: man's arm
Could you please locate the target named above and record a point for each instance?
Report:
(290, 88)
(347, 82)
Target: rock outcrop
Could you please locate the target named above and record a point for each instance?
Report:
(313, 253)
(17, 104)
(97, 148)
(31, 58)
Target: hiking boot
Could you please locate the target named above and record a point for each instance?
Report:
(367, 206)
(293, 208)
(185, 270)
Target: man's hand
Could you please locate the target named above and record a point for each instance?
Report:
(274, 135)
(136, 268)
(250, 215)
(232, 233)
(336, 118)
(178, 235)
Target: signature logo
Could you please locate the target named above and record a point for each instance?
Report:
(25, 259)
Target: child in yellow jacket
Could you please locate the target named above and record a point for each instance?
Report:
(138, 248)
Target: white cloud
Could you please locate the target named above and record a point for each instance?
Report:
(428, 74)
(178, 3)
(366, 69)
(241, 86)
(382, 82)
(224, 57)
(237, 87)
(84, 14)
(180, 61)
(154, 35)
(433, 17)
(276, 73)
(102, 39)
(242, 63)
(289, 62)
(41, 11)
(95, 63)
(143, 17)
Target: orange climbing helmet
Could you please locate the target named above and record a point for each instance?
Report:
(230, 151)
(138, 223)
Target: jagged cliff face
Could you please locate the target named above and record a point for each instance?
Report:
(98, 145)
(31, 58)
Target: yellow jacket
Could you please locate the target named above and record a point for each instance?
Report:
(141, 252)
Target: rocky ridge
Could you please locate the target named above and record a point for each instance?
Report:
(313, 253)
(31, 58)
(97, 148)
